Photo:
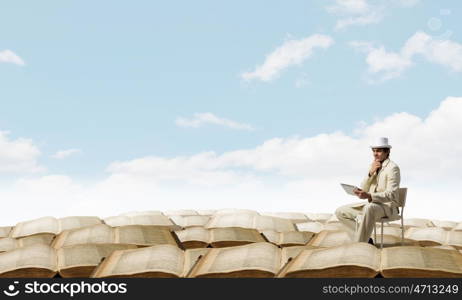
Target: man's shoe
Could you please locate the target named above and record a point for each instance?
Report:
(370, 241)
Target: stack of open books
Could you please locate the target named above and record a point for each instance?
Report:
(224, 243)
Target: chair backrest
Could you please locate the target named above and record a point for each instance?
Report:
(402, 196)
(402, 200)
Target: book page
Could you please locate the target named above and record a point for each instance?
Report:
(41, 225)
(424, 258)
(190, 221)
(8, 244)
(335, 226)
(273, 223)
(143, 235)
(389, 230)
(41, 238)
(458, 227)
(454, 238)
(314, 227)
(295, 237)
(193, 234)
(357, 254)
(5, 231)
(447, 247)
(235, 234)
(432, 234)
(416, 222)
(448, 225)
(319, 217)
(333, 219)
(330, 239)
(160, 258)
(96, 234)
(294, 217)
(272, 236)
(231, 220)
(34, 256)
(206, 212)
(74, 222)
(190, 258)
(87, 254)
(256, 256)
(293, 251)
(155, 220)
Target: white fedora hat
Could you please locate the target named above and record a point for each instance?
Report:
(381, 142)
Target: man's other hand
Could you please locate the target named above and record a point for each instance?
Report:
(376, 164)
(362, 194)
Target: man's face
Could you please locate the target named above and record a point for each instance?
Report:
(380, 154)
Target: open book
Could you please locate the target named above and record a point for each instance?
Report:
(448, 225)
(199, 237)
(37, 261)
(433, 236)
(52, 225)
(252, 260)
(104, 234)
(81, 260)
(319, 217)
(310, 226)
(252, 221)
(155, 261)
(349, 189)
(413, 222)
(141, 219)
(288, 238)
(364, 260)
(327, 238)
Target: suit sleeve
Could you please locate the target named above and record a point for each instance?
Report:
(366, 183)
(391, 193)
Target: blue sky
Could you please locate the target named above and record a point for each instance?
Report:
(111, 79)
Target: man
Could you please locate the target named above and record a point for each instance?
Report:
(379, 188)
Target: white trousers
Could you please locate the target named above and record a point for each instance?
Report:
(371, 213)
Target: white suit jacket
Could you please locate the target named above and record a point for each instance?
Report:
(384, 187)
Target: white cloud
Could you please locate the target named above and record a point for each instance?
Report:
(363, 12)
(292, 52)
(282, 174)
(355, 12)
(201, 119)
(8, 56)
(387, 64)
(65, 153)
(18, 156)
(444, 52)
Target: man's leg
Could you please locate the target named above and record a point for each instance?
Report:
(373, 212)
(347, 216)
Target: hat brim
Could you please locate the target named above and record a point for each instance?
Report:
(381, 146)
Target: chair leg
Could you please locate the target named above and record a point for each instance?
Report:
(375, 234)
(381, 236)
(402, 232)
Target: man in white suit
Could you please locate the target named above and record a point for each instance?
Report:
(379, 188)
